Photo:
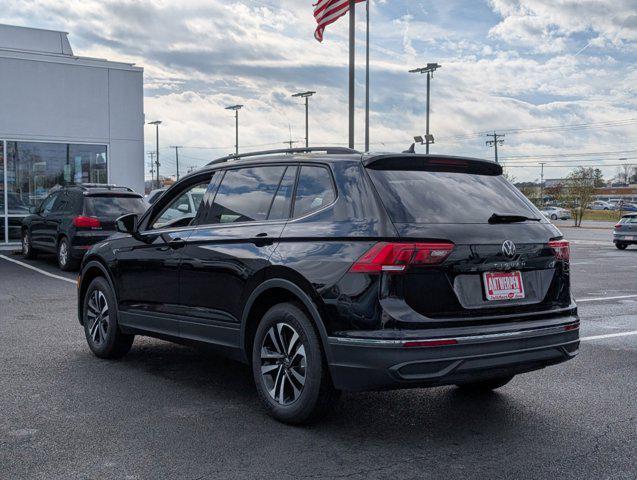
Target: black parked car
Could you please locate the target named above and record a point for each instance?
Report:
(72, 219)
(328, 270)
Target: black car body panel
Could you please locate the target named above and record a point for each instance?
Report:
(206, 283)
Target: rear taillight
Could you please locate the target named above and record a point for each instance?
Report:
(86, 222)
(561, 249)
(618, 226)
(396, 257)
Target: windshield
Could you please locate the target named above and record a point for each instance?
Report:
(113, 206)
(448, 197)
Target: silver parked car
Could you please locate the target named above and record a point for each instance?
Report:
(556, 212)
(601, 205)
(625, 232)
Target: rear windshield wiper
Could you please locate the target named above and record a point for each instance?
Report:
(497, 218)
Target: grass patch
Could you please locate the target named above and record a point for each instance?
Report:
(603, 215)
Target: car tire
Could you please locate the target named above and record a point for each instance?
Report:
(100, 318)
(485, 385)
(553, 217)
(621, 246)
(65, 261)
(289, 367)
(28, 251)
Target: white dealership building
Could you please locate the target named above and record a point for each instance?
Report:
(64, 120)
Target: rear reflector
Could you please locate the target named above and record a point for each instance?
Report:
(396, 257)
(430, 343)
(86, 222)
(573, 326)
(561, 249)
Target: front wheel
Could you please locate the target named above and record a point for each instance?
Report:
(100, 318)
(485, 385)
(553, 217)
(621, 246)
(289, 367)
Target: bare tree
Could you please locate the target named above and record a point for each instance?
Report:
(581, 188)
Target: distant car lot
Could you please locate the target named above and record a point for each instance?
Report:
(174, 412)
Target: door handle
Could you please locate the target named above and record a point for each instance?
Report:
(262, 240)
(261, 235)
(176, 243)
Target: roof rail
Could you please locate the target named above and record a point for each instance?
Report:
(105, 186)
(327, 150)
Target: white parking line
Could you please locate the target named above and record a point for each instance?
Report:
(43, 272)
(609, 335)
(601, 299)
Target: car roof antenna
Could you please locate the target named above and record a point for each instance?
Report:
(411, 149)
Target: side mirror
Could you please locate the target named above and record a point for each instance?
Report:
(126, 223)
(33, 209)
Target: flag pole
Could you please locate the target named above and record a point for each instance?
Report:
(352, 67)
(367, 82)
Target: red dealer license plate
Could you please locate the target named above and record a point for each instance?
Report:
(503, 285)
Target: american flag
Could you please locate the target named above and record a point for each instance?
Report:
(327, 12)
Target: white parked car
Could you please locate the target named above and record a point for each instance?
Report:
(556, 212)
(601, 205)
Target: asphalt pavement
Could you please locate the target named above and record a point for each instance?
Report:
(167, 411)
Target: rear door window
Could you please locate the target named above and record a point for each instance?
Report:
(245, 195)
(112, 206)
(314, 191)
(420, 196)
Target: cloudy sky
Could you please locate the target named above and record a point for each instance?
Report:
(558, 77)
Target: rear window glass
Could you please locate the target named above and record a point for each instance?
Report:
(113, 206)
(628, 220)
(447, 197)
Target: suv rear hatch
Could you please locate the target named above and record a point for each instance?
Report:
(506, 258)
(107, 207)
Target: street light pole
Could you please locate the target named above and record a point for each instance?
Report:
(542, 183)
(157, 123)
(177, 147)
(429, 70)
(236, 109)
(306, 96)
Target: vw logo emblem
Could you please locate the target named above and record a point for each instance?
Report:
(508, 248)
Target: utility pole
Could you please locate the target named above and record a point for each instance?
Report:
(152, 167)
(177, 147)
(157, 123)
(352, 69)
(367, 77)
(495, 142)
(542, 183)
(236, 109)
(429, 70)
(306, 96)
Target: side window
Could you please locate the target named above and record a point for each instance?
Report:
(183, 209)
(61, 203)
(245, 195)
(47, 204)
(280, 209)
(314, 191)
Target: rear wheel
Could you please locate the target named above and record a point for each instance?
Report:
(485, 385)
(553, 217)
(27, 247)
(621, 246)
(100, 319)
(289, 367)
(65, 261)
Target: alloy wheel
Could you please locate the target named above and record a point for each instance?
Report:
(63, 254)
(25, 243)
(283, 363)
(97, 317)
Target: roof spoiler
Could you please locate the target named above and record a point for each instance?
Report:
(441, 163)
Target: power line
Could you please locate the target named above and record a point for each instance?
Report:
(498, 139)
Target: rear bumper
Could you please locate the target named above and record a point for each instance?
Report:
(379, 364)
(621, 238)
(83, 241)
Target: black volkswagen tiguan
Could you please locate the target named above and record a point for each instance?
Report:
(330, 270)
(72, 219)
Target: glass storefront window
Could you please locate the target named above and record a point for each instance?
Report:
(32, 170)
(35, 169)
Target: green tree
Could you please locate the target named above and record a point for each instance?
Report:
(598, 178)
(581, 188)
